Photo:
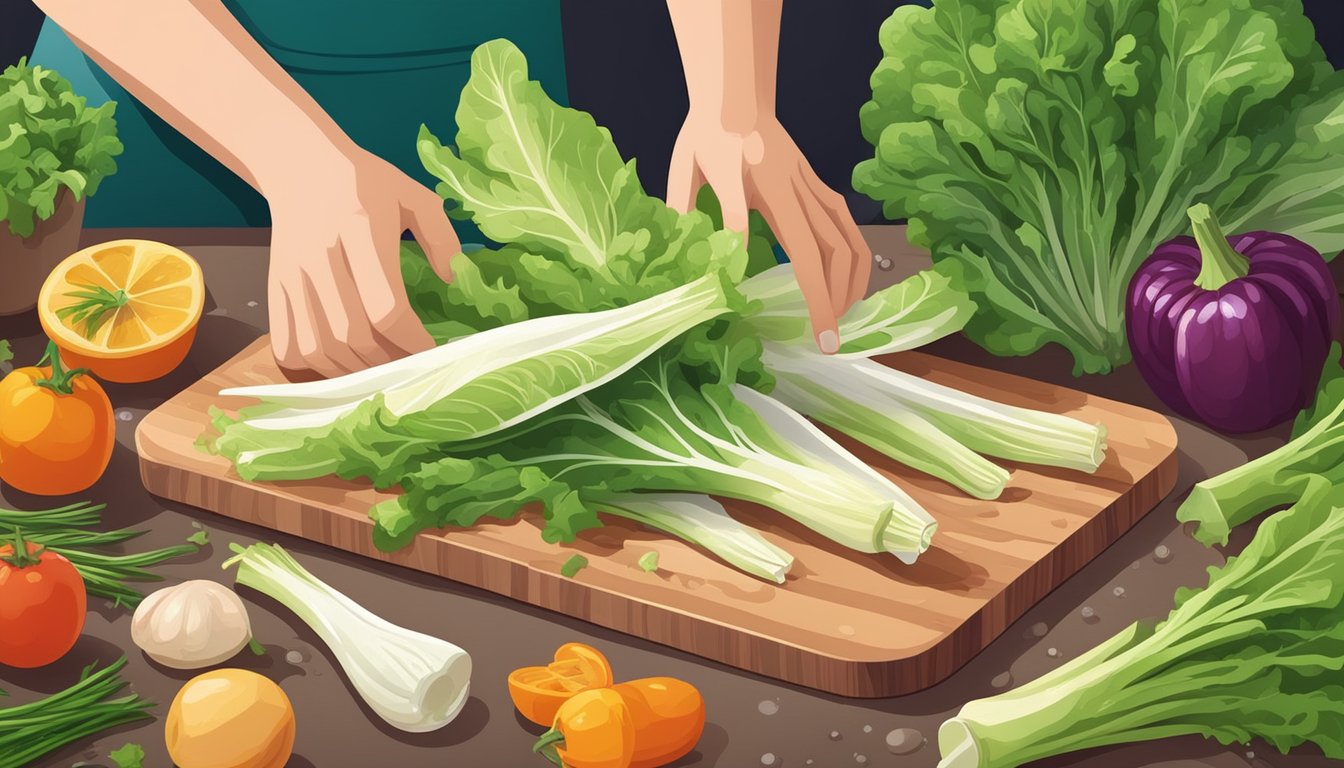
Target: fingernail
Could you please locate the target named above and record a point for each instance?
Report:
(829, 342)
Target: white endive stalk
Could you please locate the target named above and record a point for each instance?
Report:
(415, 682)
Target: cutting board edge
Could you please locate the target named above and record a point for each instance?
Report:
(707, 638)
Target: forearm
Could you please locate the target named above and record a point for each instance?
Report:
(729, 53)
(198, 69)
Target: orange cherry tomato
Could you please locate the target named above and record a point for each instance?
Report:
(539, 692)
(56, 429)
(593, 729)
(42, 605)
(669, 716)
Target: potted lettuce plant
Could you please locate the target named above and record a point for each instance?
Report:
(54, 152)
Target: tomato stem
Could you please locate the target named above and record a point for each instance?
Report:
(21, 558)
(545, 746)
(59, 380)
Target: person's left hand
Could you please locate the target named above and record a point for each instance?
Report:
(764, 170)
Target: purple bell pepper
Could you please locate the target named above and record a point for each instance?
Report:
(1232, 332)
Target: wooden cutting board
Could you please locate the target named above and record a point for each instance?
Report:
(846, 623)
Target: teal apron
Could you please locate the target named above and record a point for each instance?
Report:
(379, 68)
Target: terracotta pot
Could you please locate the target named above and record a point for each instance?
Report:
(26, 262)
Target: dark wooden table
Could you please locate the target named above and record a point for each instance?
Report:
(752, 721)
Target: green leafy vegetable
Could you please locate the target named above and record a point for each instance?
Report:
(6, 354)
(464, 389)
(29, 731)
(918, 310)
(648, 562)
(256, 647)
(1258, 653)
(49, 140)
(1316, 451)
(199, 538)
(1041, 149)
(549, 181)
(128, 756)
(702, 521)
(571, 567)
(66, 531)
(657, 431)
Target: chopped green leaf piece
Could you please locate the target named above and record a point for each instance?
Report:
(128, 756)
(6, 354)
(199, 538)
(573, 565)
(649, 562)
(255, 647)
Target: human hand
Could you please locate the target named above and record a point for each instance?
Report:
(337, 300)
(763, 169)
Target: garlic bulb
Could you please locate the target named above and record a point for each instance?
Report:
(192, 625)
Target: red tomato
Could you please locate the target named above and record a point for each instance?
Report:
(42, 605)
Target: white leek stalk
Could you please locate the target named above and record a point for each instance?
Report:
(415, 682)
(703, 521)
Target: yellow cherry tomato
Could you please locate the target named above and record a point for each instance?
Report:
(593, 729)
(538, 692)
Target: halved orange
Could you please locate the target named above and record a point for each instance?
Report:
(127, 309)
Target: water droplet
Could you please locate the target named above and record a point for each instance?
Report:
(768, 707)
(251, 303)
(884, 265)
(1052, 652)
(1162, 553)
(1118, 592)
(1039, 629)
(1134, 565)
(860, 759)
(877, 257)
(867, 729)
(1250, 755)
(835, 735)
(769, 758)
(809, 761)
(294, 657)
(124, 415)
(1002, 680)
(903, 741)
(1090, 614)
(846, 630)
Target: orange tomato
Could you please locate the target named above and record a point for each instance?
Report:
(42, 605)
(539, 692)
(56, 429)
(668, 715)
(595, 730)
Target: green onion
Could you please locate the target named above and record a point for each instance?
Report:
(32, 730)
(64, 530)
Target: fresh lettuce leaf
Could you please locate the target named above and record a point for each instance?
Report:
(550, 182)
(474, 386)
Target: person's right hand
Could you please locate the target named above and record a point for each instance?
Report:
(337, 300)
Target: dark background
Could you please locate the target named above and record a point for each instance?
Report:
(624, 68)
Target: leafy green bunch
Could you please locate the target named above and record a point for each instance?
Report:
(50, 140)
(1041, 149)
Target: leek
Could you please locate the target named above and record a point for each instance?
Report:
(415, 682)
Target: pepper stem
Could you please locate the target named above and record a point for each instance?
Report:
(1221, 263)
(21, 558)
(545, 746)
(59, 380)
